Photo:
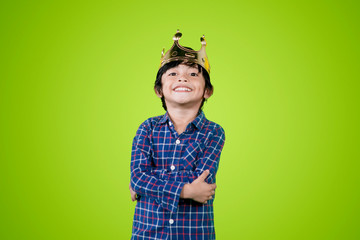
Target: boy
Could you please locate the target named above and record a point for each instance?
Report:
(175, 156)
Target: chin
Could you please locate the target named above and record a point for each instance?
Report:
(183, 101)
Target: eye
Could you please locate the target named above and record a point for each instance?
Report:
(172, 74)
(193, 74)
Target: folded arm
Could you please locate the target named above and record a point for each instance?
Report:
(167, 191)
(200, 182)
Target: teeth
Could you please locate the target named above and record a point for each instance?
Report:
(182, 89)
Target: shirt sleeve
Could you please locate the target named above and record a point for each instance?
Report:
(143, 181)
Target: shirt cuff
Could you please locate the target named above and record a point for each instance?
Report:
(171, 195)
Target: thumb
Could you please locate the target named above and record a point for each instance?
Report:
(204, 175)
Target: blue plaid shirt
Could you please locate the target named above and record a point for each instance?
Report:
(162, 161)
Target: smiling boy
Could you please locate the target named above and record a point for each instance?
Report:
(175, 156)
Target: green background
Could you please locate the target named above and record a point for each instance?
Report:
(77, 79)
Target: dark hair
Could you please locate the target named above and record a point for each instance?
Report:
(163, 69)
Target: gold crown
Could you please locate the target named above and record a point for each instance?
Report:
(180, 53)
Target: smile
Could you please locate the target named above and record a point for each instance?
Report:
(182, 89)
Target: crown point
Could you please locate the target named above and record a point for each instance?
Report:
(177, 35)
(203, 41)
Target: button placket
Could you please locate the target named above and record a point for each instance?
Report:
(175, 160)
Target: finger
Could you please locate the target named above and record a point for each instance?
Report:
(204, 175)
(134, 196)
(210, 197)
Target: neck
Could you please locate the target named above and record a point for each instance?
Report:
(182, 117)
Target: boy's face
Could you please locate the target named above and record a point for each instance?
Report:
(183, 85)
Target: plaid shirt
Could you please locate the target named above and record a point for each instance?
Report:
(162, 161)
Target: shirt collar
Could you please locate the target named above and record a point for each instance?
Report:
(164, 118)
(198, 122)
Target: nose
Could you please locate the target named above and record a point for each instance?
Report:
(182, 78)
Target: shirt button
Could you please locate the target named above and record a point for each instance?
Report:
(177, 141)
(171, 221)
(172, 167)
(170, 123)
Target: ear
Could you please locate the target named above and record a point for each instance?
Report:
(159, 94)
(208, 93)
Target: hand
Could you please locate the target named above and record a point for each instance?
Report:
(199, 190)
(132, 193)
